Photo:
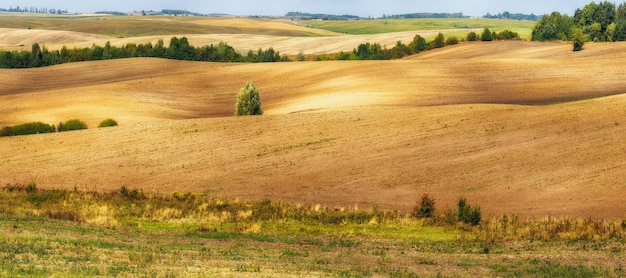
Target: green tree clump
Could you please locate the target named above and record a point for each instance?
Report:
(553, 27)
(601, 21)
(107, 123)
(486, 35)
(71, 125)
(507, 35)
(419, 44)
(452, 40)
(471, 37)
(467, 214)
(25, 129)
(439, 41)
(248, 101)
(425, 208)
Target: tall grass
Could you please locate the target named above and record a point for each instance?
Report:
(127, 232)
(203, 212)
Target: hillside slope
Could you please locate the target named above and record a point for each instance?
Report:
(384, 131)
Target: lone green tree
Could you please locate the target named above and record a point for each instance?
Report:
(486, 36)
(248, 101)
(579, 39)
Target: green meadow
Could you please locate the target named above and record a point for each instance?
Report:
(380, 26)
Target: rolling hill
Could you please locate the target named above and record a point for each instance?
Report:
(517, 127)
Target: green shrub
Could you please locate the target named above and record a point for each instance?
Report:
(467, 214)
(579, 39)
(24, 129)
(452, 41)
(248, 101)
(439, 41)
(107, 123)
(508, 35)
(471, 37)
(131, 194)
(31, 187)
(300, 57)
(425, 207)
(486, 36)
(419, 44)
(72, 125)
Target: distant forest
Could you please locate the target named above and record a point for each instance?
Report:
(309, 16)
(517, 16)
(425, 15)
(18, 9)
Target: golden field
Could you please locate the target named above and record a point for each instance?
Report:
(517, 127)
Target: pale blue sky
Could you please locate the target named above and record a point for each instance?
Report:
(374, 8)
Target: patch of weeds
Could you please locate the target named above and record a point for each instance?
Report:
(322, 261)
(248, 268)
(355, 274)
(292, 253)
(403, 273)
(39, 197)
(426, 262)
(500, 268)
(84, 270)
(550, 269)
(344, 243)
(68, 215)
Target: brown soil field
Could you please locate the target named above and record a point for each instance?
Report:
(515, 127)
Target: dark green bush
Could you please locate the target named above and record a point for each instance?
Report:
(467, 214)
(486, 36)
(452, 41)
(131, 194)
(508, 35)
(471, 37)
(72, 125)
(107, 123)
(24, 129)
(579, 39)
(425, 208)
(439, 41)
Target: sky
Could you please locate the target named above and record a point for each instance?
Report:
(363, 8)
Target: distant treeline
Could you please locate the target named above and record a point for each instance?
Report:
(516, 16)
(111, 13)
(179, 12)
(38, 10)
(425, 15)
(309, 16)
(178, 49)
(374, 51)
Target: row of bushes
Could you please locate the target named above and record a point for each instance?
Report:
(39, 127)
(369, 51)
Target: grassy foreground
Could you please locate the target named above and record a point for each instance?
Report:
(125, 233)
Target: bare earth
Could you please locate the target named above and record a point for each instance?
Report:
(516, 127)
